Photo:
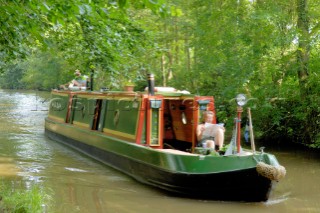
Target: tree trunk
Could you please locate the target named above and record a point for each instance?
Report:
(163, 70)
(303, 51)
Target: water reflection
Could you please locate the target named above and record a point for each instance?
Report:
(8, 167)
(81, 184)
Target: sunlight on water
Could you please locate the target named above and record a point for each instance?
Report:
(277, 200)
(75, 169)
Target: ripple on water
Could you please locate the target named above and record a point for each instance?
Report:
(75, 169)
(277, 200)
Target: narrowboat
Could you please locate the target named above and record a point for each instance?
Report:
(151, 136)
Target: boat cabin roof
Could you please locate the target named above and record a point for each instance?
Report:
(165, 94)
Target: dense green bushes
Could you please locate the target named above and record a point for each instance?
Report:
(15, 200)
(265, 50)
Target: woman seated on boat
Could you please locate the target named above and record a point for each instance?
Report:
(210, 135)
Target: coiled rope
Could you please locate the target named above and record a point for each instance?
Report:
(271, 172)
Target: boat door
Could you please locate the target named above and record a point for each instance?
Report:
(154, 122)
(96, 114)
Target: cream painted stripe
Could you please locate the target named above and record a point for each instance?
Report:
(56, 118)
(90, 96)
(60, 94)
(129, 98)
(119, 133)
(76, 123)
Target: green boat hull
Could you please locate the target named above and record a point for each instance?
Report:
(200, 176)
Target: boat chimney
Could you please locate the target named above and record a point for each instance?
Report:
(151, 84)
(91, 80)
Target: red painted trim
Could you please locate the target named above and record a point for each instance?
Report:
(161, 124)
(148, 123)
(141, 117)
(196, 114)
(239, 111)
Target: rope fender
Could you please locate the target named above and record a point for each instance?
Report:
(271, 172)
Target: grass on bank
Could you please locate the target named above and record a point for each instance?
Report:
(14, 200)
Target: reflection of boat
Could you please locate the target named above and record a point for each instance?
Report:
(151, 137)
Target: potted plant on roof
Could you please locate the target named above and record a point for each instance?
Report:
(129, 86)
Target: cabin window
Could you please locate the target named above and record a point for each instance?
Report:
(155, 122)
(155, 127)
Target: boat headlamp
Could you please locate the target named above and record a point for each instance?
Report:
(155, 104)
(241, 99)
(203, 104)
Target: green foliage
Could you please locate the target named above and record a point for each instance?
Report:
(85, 37)
(16, 200)
(218, 48)
(29, 22)
(45, 71)
(12, 78)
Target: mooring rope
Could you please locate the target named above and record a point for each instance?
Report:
(271, 172)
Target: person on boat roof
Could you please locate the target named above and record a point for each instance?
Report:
(78, 81)
(210, 135)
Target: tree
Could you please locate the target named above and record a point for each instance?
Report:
(264, 49)
(24, 22)
(93, 36)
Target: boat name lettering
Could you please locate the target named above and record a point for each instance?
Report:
(57, 104)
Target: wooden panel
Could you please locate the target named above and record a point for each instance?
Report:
(183, 132)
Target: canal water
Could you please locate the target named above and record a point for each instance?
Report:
(77, 183)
